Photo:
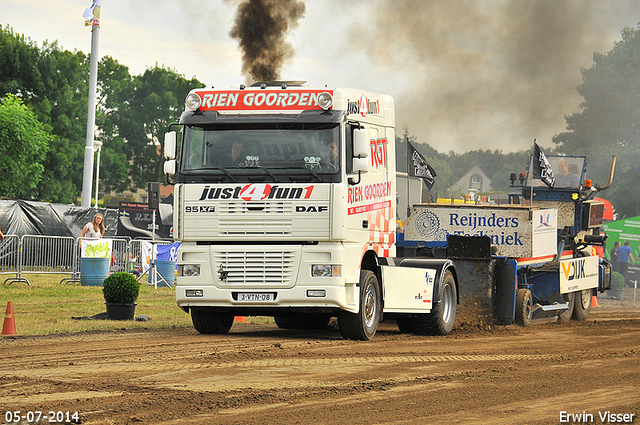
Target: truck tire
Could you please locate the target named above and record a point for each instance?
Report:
(443, 314)
(524, 307)
(363, 324)
(207, 322)
(306, 321)
(569, 299)
(583, 305)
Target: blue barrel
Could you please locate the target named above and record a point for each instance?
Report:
(166, 269)
(93, 271)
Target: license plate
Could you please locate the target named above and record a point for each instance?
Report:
(256, 296)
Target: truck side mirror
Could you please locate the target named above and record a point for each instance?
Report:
(170, 145)
(170, 167)
(360, 165)
(360, 143)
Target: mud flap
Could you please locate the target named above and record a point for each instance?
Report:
(506, 282)
(472, 257)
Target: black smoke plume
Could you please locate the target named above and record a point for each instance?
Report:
(260, 28)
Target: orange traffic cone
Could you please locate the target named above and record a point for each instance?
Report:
(240, 319)
(9, 327)
(594, 301)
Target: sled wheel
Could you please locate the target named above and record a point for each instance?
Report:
(524, 307)
(570, 300)
(582, 305)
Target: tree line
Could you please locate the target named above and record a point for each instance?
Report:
(43, 114)
(45, 90)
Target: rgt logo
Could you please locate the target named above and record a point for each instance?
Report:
(256, 192)
(574, 270)
(378, 152)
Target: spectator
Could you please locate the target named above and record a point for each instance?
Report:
(94, 229)
(625, 256)
(614, 256)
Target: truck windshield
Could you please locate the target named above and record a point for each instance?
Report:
(273, 147)
(568, 172)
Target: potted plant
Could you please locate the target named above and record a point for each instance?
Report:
(617, 286)
(120, 294)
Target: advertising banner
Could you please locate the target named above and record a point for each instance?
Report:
(621, 231)
(96, 248)
(578, 274)
(510, 229)
(545, 232)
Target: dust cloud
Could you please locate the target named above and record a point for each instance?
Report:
(490, 74)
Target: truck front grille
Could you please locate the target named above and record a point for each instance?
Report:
(255, 219)
(239, 269)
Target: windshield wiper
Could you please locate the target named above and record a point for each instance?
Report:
(309, 170)
(235, 180)
(209, 172)
(273, 176)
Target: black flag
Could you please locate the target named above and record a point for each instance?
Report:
(419, 167)
(541, 167)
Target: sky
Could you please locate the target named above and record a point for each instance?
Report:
(464, 74)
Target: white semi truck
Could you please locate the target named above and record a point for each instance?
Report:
(285, 206)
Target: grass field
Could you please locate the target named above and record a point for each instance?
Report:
(47, 306)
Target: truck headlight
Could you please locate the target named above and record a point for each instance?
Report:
(325, 100)
(326, 270)
(193, 102)
(189, 270)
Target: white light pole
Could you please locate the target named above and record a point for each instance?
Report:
(97, 146)
(91, 16)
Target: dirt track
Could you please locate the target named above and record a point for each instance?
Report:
(259, 374)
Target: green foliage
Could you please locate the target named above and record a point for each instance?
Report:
(52, 83)
(120, 287)
(23, 146)
(617, 280)
(132, 113)
(136, 116)
(451, 167)
(607, 124)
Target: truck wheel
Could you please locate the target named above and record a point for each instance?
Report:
(307, 321)
(569, 299)
(583, 305)
(207, 322)
(524, 307)
(443, 314)
(364, 324)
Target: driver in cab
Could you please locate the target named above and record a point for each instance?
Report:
(333, 158)
(235, 158)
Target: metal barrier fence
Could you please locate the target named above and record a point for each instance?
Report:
(33, 254)
(9, 255)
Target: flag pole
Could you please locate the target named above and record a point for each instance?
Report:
(87, 175)
(408, 165)
(531, 171)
